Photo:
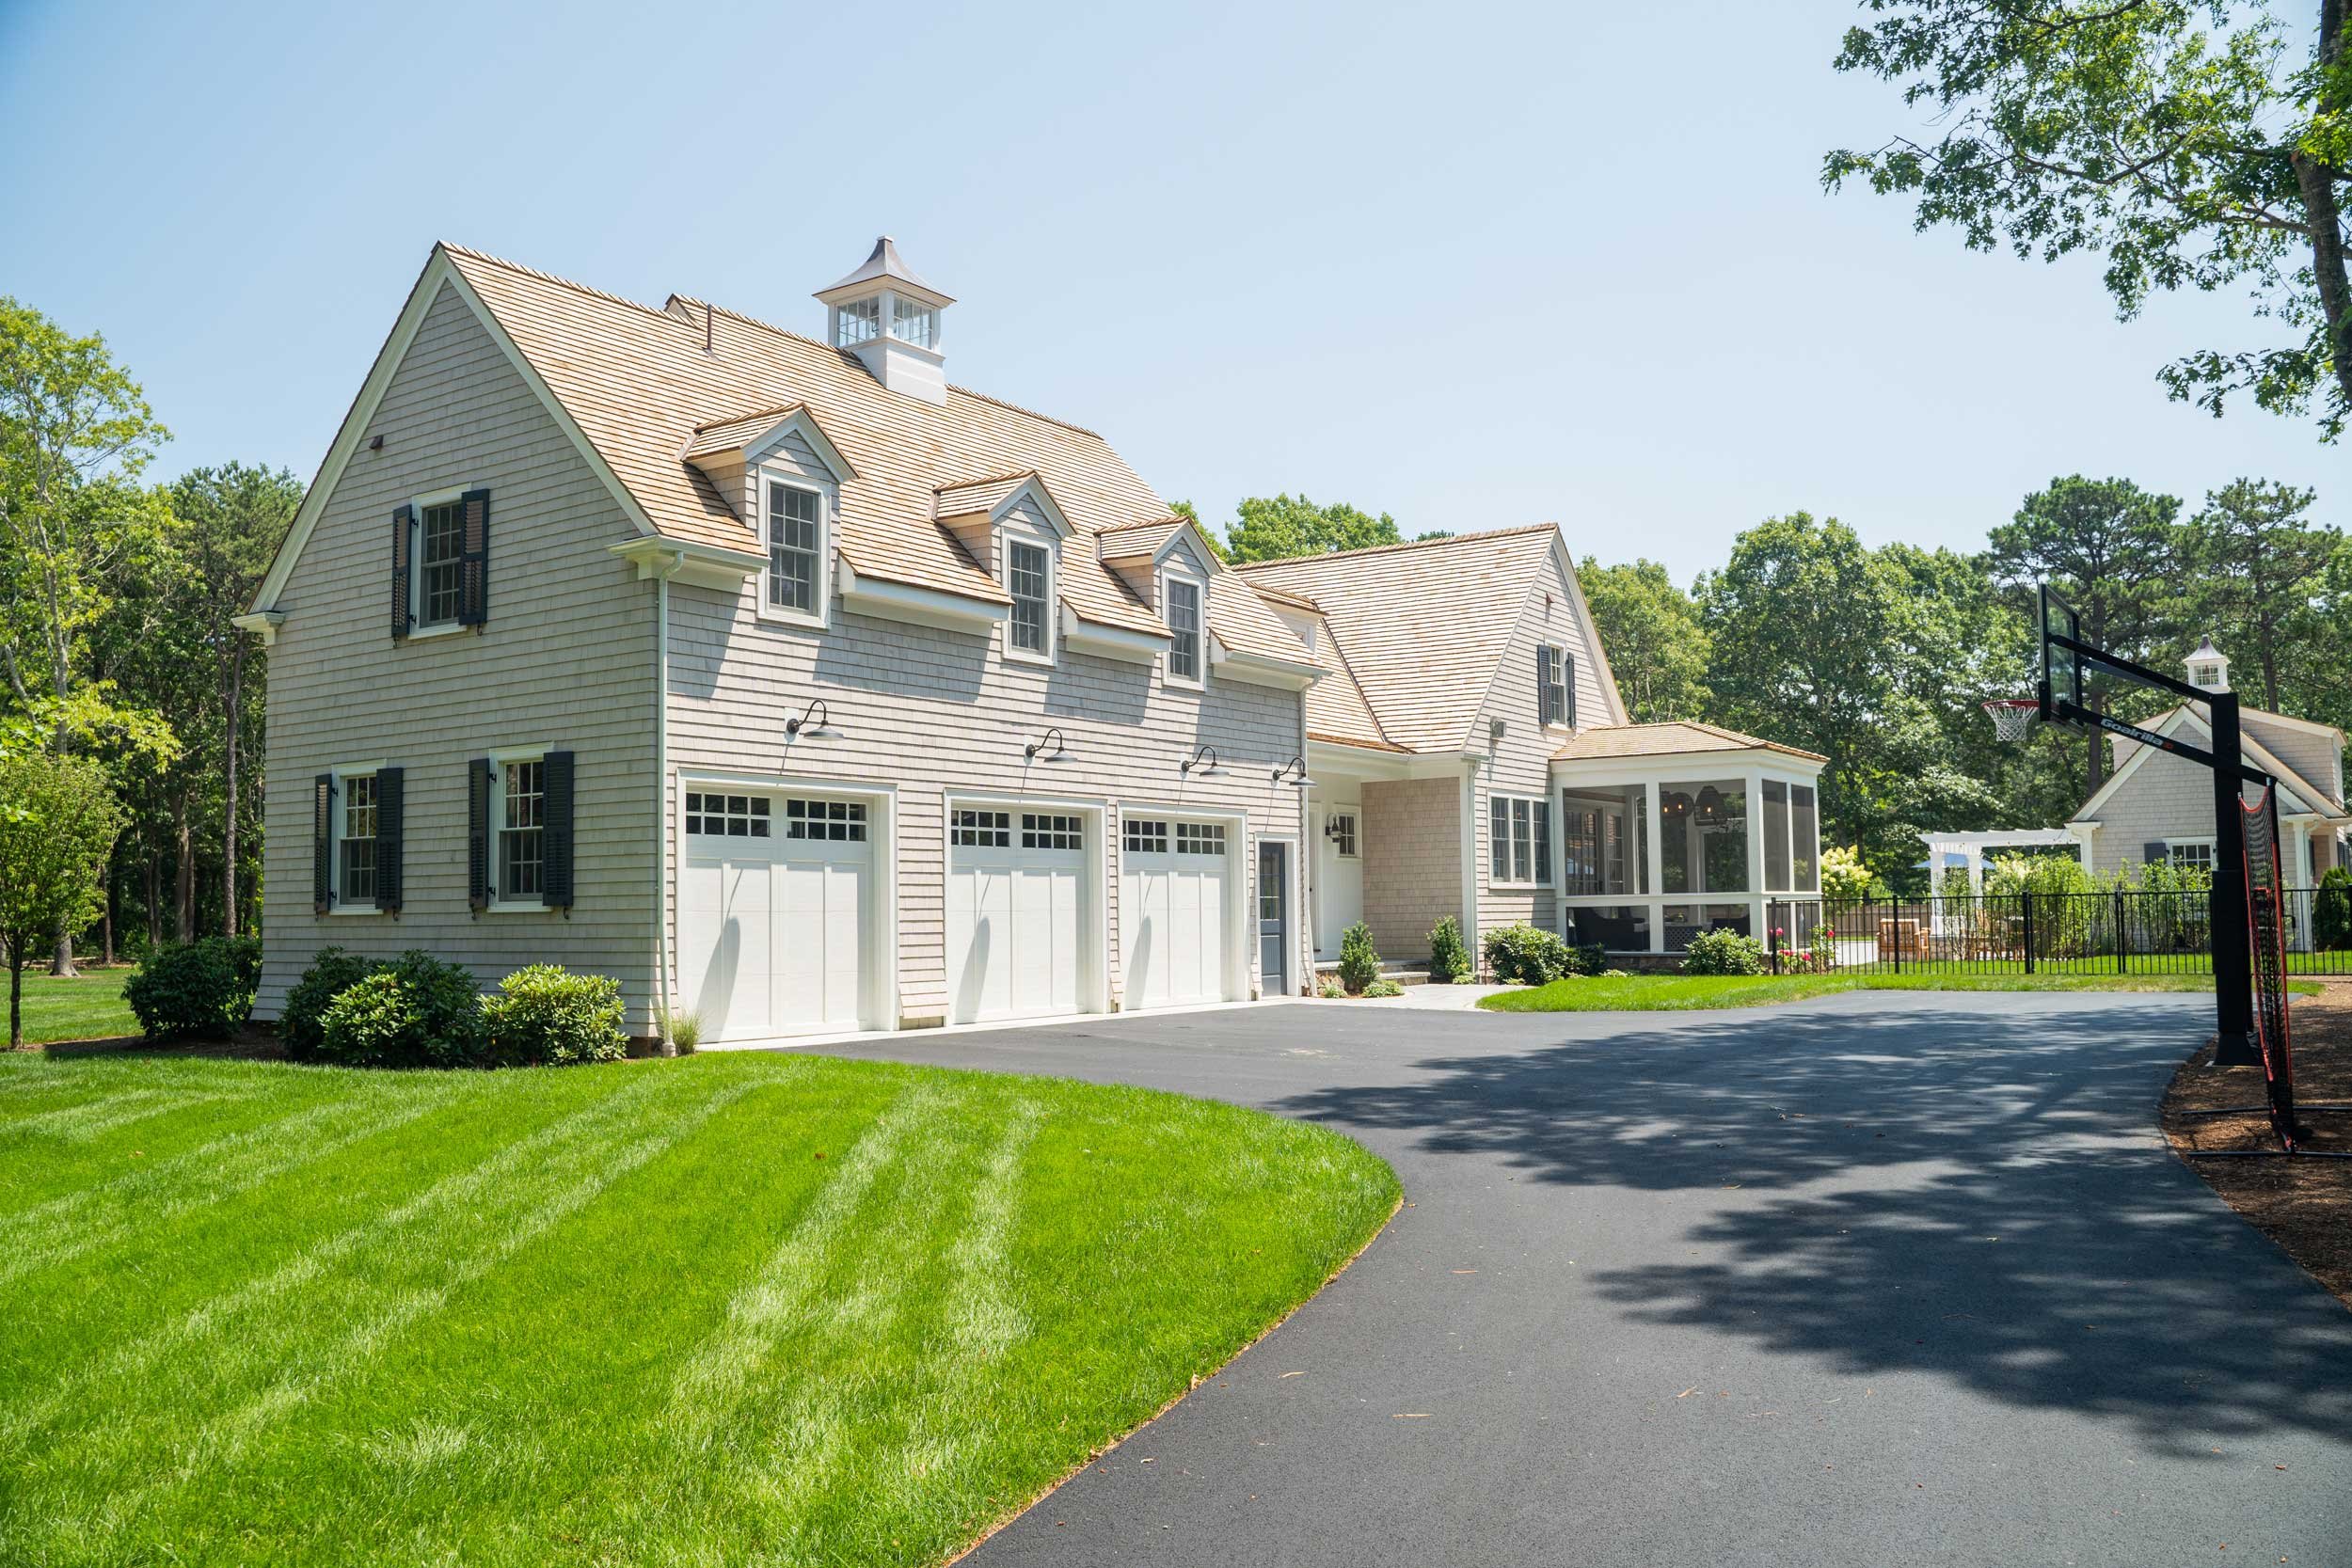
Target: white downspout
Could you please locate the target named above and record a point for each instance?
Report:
(665, 1002)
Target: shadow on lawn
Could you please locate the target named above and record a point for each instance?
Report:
(1977, 1195)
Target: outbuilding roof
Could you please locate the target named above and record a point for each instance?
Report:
(1673, 738)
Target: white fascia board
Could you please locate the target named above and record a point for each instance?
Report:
(1680, 766)
(1259, 669)
(803, 423)
(1089, 637)
(262, 623)
(922, 606)
(1338, 757)
(1034, 490)
(702, 565)
(1208, 549)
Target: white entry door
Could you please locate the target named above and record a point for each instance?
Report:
(1016, 914)
(1176, 936)
(775, 896)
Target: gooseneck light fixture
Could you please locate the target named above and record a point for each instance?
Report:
(1048, 746)
(1204, 761)
(1296, 771)
(810, 721)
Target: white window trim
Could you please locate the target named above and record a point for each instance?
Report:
(821, 617)
(339, 904)
(417, 630)
(1542, 868)
(1567, 696)
(495, 822)
(1053, 595)
(1355, 835)
(1197, 682)
(2211, 846)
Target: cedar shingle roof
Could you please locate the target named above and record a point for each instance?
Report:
(643, 391)
(980, 495)
(1671, 738)
(1421, 627)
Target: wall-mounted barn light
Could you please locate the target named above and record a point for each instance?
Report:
(1203, 760)
(811, 721)
(1048, 746)
(1296, 771)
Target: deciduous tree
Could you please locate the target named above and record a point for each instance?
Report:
(58, 818)
(1655, 638)
(2256, 565)
(2190, 143)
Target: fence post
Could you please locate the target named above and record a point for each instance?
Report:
(1894, 929)
(2123, 966)
(1771, 935)
(2027, 897)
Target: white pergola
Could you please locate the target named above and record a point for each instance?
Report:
(1971, 848)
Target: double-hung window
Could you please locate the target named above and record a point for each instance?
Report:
(440, 564)
(355, 847)
(1029, 574)
(1518, 841)
(1184, 625)
(1342, 832)
(1551, 684)
(522, 827)
(796, 537)
(2192, 854)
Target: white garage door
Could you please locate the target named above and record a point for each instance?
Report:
(1016, 891)
(774, 899)
(1175, 938)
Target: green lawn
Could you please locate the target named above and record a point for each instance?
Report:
(1683, 992)
(710, 1310)
(88, 1009)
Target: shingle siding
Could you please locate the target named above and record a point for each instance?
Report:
(1411, 839)
(566, 661)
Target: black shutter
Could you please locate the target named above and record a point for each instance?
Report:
(322, 842)
(1543, 683)
(1568, 684)
(473, 566)
(388, 828)
(403, 537)
(2155, 851)
(555, 836)
(478, 832)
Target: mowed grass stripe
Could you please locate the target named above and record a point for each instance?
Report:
(75, 1222)
(738, 1310)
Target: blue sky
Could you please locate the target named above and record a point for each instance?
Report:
(1476, 266)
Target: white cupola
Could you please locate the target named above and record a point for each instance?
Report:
(2208, 666)
(889, 318)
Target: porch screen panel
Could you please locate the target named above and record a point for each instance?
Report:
(1775, 836)
(1705, 843)
(1804, 833)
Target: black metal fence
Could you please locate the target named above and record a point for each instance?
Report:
(2114, 932)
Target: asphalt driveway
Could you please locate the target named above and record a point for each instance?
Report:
(1881, 1279)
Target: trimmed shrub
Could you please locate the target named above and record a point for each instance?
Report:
(301, 1022)
(196, 991)
(1522, 954)
(1724, 953)
(1360, 962)
(2332, 908)
(1384, 988)
(545, 1014)
(1588, 958)
(416, 1011)
(1449, 958)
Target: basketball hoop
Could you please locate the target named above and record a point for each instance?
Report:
(2012, 717)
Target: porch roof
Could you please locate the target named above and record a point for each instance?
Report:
(1674, 737)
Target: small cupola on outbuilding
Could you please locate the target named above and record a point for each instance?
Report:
(889, 318)
(2208, 666)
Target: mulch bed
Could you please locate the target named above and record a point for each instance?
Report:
(254, 1042)
(2303, 1205)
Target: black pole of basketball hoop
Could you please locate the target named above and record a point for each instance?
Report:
(2235, 1042)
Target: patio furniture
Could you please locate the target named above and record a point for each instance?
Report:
(1901, 939)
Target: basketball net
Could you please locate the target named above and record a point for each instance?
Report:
(2012, 717)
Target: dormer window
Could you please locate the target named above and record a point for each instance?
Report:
(796, 551)
(1184, 626)
(859, 320)
(1029, 578)
(914, 322)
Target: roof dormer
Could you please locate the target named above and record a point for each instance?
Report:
(889, 319)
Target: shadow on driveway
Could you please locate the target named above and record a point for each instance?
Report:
(1979, 1195)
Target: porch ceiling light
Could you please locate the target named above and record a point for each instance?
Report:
(810, 721)
(1203, 760)
(1296, 771)
(1039, 747)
